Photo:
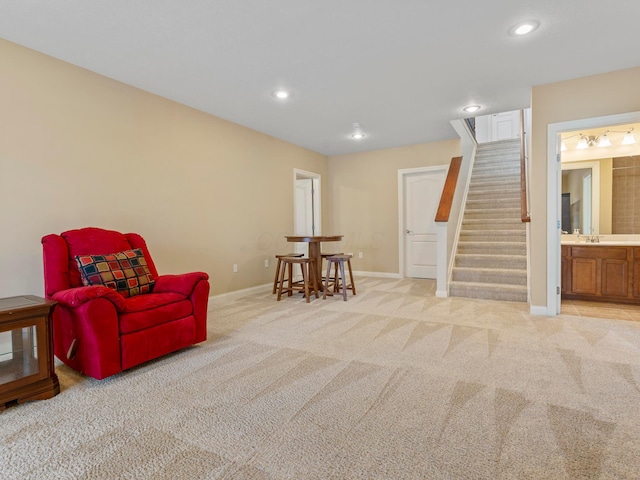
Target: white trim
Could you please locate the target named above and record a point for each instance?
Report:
(402, 173)
(377, 274)
(540, 310)
(554, 179)
(462, 128)
(223, 297)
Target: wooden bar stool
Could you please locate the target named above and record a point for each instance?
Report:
(276, 280)
(339, 261)
(308, 284)
(324, 257)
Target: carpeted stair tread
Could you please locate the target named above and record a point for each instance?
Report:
(477, 260)
(492, 236)
(483, 224)
(494, 182)
(492, 248)
(512, 276)
(487, 193)
(504, 292)
(498, 212)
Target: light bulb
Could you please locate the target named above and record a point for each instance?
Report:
(628, 139)
(604, 141)
(524, 28)
(281, 94)
(582, 143)
(471, 108)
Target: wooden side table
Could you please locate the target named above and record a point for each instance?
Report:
(26, 350)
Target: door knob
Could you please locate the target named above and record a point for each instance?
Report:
(409, 232)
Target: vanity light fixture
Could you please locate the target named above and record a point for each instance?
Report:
(472, 108)
(524, 28)
(601, 140)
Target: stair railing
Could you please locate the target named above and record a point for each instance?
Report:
(524, 183)
(449, 190)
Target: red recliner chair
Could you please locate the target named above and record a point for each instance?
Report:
(100, 331)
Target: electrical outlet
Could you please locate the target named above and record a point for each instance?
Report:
(266, 263)
(360, 255)
(235, 268)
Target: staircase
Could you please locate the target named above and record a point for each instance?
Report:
(491, 260)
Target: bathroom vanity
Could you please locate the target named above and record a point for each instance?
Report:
(603, 271)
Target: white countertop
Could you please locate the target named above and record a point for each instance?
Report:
(604, 240)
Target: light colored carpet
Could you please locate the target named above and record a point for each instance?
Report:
(392, 384)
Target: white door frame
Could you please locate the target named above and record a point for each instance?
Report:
(554, 190)
(401, 226)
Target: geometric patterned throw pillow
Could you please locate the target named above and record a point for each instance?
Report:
(126, 272)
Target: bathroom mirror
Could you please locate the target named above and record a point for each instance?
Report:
(601, 184)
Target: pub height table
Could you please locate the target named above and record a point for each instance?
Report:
(315, 250)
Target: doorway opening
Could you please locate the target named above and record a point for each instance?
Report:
(554, 195)
(306, 206)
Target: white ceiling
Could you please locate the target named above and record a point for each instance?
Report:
(401, 68)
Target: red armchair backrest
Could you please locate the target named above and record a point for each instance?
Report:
(59, 252)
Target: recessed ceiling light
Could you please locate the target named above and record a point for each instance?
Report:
(524, 28)
(281, 94)
(471, 108)
(357, 135)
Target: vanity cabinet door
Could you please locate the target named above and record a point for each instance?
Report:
(584, 276)
(615, 277)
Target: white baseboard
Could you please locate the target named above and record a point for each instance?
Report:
(378, 274)
(539, 310)
(225, 297)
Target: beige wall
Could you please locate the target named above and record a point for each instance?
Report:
(78, 149)
(588, 97)
(363, 192)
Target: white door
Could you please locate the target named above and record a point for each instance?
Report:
(504, 126)
(422, 193)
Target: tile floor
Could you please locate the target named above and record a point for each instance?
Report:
(616, 311)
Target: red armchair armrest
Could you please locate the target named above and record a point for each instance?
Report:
(75, 297)
(183, 284)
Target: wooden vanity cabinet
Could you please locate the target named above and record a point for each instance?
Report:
(601, 272)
